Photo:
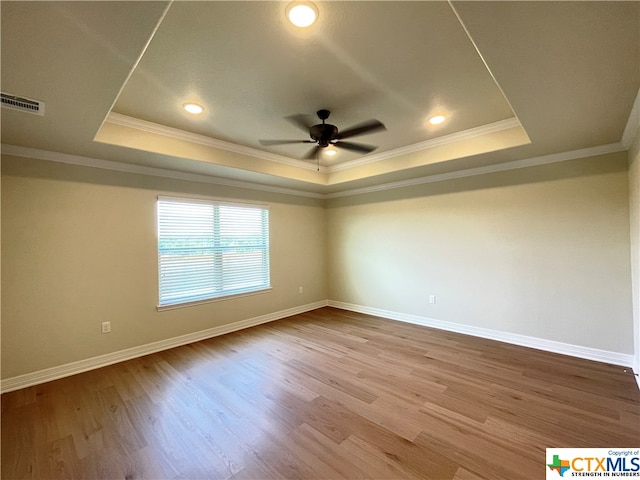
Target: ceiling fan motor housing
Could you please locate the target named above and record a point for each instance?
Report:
(323, 134)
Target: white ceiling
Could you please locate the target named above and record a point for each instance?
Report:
(515, 79)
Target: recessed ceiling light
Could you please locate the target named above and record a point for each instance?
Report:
(193, 108)
(437, 119)
(302, 14)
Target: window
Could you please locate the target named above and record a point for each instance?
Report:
(208, 250)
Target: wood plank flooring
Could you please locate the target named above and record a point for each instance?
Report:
(328, 394)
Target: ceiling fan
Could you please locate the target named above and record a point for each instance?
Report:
(325, 135)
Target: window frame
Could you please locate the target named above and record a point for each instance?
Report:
(216, 253)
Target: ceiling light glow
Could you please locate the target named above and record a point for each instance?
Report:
(302, 14)
(193, 108)
(330, 152)
(437, 119)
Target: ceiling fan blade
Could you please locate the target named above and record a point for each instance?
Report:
(366, 127)
(313, 153)
(267, 143)
(303, 122)
(355, 147)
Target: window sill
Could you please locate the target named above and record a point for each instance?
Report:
(173, 306)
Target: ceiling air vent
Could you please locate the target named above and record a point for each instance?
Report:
(22, 104)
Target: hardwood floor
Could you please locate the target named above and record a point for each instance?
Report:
(324, 395)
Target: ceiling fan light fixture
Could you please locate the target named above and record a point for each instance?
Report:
(437, 119)
(326, 136)
(302, 14)
(330, 151)
(193, 108)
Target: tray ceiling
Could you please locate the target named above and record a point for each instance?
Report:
(514, 80)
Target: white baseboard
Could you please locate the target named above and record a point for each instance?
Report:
(54, 373)
(588, 353)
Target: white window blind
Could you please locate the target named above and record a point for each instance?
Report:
(208, 250)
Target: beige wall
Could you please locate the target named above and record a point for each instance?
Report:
(634, 204)
(541, 251)
(79, 248)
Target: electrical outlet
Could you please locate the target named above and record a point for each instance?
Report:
(106, 327)
(432, 299)
(300, 290)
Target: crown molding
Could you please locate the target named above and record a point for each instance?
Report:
(19, 151)
(194, 177)
(432, 143)
(633, 123)
(178, 134)
(500, 167)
